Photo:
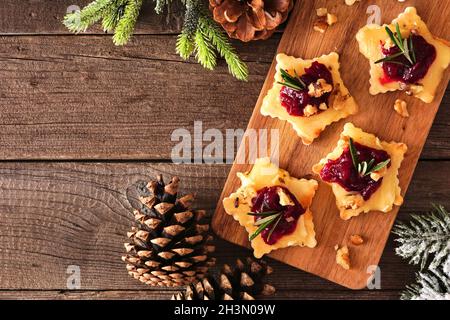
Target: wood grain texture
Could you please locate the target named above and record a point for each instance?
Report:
(375, 116)
(166, 294)
(58, 214)
(44, 17)
(83, 98)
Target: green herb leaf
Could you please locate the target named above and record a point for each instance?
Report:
(268, 218)
(411, 49)
(353, 153)
(379, 166)
(389, 58)
(405, 47)
(293, 82)
(261, 214)
(393, 38)
(260, 229)
(272, 229)
(399, 34)
(406, 53)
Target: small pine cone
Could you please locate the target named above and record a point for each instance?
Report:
(243, 282)
(170, 244)
(250, 19)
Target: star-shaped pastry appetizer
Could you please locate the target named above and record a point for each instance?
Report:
(309, 94)
(404, 55)
(362, 171)
(273, 207)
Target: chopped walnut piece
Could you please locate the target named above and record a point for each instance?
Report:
(323, 106)
(401, 107)
(321, 12)
(356, 239)
(285, 200)
(343, 257)
(350, 2)
(331, 19)
(309, 110)
(377, 175)
(319, 88)
(320, 25)
(353, 201)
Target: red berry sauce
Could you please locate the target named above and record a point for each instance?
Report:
(425, 55)
(343, 172)
(267, 199)
(295, 101)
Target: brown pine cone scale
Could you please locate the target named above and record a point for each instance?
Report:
(170, 244)
(248, 20)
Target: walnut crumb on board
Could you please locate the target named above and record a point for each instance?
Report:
(331, 19)
(320, 25)
(343, 257)
(321, 12)
(401, 107)
(356, 239)
(350, 2)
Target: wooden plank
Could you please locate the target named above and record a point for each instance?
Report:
(381, 120)
(38, 17)
(167, 294)
(83, 98)
(57, 214)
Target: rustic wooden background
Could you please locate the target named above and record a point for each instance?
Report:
(81, 120)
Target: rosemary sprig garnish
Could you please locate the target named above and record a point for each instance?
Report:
(268, 218)
(293, 82)
(365, 168)
(406, 47)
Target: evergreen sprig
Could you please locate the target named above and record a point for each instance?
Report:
(425, 241)
(364, 168)
(201, 36)
(424, 235)
(404, 45)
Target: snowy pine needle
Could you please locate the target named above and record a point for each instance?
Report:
(425, 241)
(425, 234)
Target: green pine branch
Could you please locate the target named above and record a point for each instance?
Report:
(113, 14)
(201, 36)
(125, 26)
(220, 41)
(80, 21)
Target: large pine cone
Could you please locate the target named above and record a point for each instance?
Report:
(243, 282)
(250, 19)
(170, 245)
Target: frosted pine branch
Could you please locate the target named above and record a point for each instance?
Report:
(426, 234)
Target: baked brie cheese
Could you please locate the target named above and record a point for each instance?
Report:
(363, 172)
(273, 207)
(404, 55)
(309, 94)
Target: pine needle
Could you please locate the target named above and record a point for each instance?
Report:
(425, 234)
(80, 21)
(205, 53)
(185, 45)
(218, 38)
(125, 26)
(425, 241)
(113, 14)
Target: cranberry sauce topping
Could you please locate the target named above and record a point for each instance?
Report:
(296, 100)
(401, 69)
(343, 172)
(267, 199)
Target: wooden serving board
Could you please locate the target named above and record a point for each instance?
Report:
(376, 115)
